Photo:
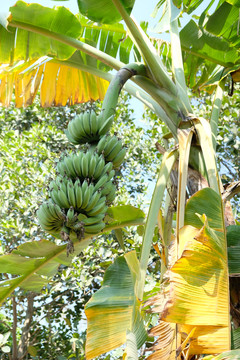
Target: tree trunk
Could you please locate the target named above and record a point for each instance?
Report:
(23, 343)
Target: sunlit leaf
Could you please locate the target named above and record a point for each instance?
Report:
(196, 294)
(34, 263)
(233, 240)
(59, 20)
(103, 11)
(114, 309)
(59, 84)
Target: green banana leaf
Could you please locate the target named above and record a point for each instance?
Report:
(40, 16)
(228, 355)
(103, 11)
(32, 264)
(113, 312)
(235, 343)
(233, 240)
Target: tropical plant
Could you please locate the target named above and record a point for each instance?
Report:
(193, 300)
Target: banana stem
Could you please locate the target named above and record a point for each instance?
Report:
(111, 98)
(215, 114)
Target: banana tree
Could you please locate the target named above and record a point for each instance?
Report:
(57, 53)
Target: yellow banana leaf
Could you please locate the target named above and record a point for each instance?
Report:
(165, 348)
(114, 310)
(59, 84)
(195, 294)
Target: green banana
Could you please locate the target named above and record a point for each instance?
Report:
(92, 165)
(111, 195)
(68, 160)
(58, 212)
(99, 208)
(115, 151)
(77, 160)
(94, 123)
(106, 125)
(107, 168)
(95, 228)
(86, 123)
(78, 125)
(61, 168)
(64, 199)
(107, 188)
(53, 185)
(71, 217)
(117, 161)
(71, 194)
(101, 182)
(93, 201)
(101, 144)
(55, 198)
(86, 196)
(78, 194)
(84, 186)
(111, 142)
(111, 174)
(70, 138)
(99, 168)
(93, 219)
(84, 165)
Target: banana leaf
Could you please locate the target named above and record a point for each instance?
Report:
(31, 265)
(113, 312)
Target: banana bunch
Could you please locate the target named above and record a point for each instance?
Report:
(112, 150)
(84, 165)
(83, 187)
(87, 128)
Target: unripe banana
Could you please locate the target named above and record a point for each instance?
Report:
(93, 200)
(84, 186)
(77, 163)
(111, 174)
(64, 199)
(71, 194)
(92, 165)
(61, 168)
(101, 144)
(53, 185)
(70, 138)
(117, 161)
(115, 151)
(94, 229)
(71, 217)
(94, 123)
(99, 208)
(87, 195)
(107, 168)
(84, 165)
(111, 142)
(101, 182)
(86, 123)
(106, 125)
(78, 194)
(78, 124)
(107, 188)
(59, 212)
(99, 168)
(93, 219)
(55, 198)
(111, 195)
